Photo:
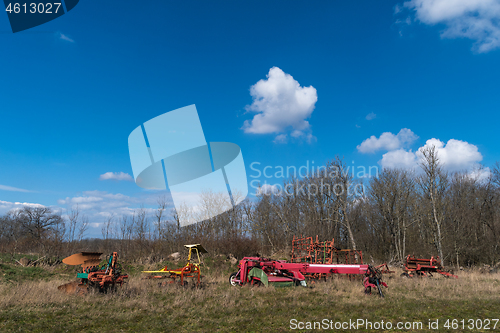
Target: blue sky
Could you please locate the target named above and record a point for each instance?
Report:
(74, 88)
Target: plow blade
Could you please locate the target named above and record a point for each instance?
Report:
(80, 258)
(73, 287)
(91, 263)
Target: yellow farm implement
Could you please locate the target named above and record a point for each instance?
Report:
(190, 270)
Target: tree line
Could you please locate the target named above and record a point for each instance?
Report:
(425, 212)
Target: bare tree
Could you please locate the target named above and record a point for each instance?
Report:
(107, 227)
(141, 230)
(10, 232)
(392, 193)
(73, 216)
(77, 223)
(343, 195)
(160, 216)
(38, 222)
(82, 227)
(434, 183)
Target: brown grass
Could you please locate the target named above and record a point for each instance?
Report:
(141, 305)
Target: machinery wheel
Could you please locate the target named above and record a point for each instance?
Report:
(232, 279)
(405, 275)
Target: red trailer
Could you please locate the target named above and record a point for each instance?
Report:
(264, 271)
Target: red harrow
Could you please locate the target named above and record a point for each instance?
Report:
(306, 249)
(424, 267)
(264, 271)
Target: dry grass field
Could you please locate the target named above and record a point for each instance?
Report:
(32, 303)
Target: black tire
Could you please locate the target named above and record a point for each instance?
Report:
(232, 279)
(405, 275)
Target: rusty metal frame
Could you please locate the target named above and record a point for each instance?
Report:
(306, 249)
(424, 267)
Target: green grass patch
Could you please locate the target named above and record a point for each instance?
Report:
(12, 273)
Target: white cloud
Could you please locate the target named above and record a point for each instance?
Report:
(80, 200)
(399, 159)
(97, 203)
(371, 116)
(98, 206)
(6, 206)
(480, 174)
(282, 105)
(116, 176)
(13, 189)
(282, 138)
(455, 155)
(478, 20)
(387, 141)
(65, 38)
(117, 196)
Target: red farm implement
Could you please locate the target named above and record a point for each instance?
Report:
(93, 276)
(424, 267)
(305, 249)
(190, 270)
(308, 250)
(264, 271)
